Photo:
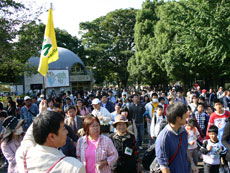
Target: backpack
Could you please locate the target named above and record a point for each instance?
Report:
(149, 156)
(150, 153)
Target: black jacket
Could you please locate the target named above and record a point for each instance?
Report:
(125, 163)
(136, 112)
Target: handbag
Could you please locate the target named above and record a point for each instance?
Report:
(155, 167)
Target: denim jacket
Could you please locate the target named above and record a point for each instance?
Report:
(28, 115)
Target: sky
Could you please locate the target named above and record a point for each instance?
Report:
(68, 14)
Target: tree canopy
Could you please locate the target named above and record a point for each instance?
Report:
(109, 44)
(181, 41)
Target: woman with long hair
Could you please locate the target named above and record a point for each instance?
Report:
(81, 109)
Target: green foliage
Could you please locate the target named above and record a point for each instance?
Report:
(13, 16)
(185, 39)
(109, 44)
(143, 66)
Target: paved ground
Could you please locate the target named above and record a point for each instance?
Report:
(200, 165)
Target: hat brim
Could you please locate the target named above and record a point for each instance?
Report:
(8, 131)
(20, 122)
(96, 103)
(127, 122)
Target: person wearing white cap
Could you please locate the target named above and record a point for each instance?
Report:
(28, 112)
(102, 114)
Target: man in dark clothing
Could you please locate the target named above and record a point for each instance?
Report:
(107, 104)
(172, 137)
(212, 97)
(136, 111)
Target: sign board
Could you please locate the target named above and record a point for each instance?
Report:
(79, 78)
(57, 78)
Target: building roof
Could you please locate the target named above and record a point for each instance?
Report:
(66, 60)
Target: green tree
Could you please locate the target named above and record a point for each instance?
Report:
(109, 44)
(31, 36)
(193, 37)
(186, 39)
(143, 67)
(12, 16)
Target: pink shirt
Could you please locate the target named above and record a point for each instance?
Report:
(105, 151)
(90, 156)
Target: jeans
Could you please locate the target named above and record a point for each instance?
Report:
(140, 128)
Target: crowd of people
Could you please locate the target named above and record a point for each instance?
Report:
(102, 131)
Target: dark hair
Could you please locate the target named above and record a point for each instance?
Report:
(3, 114)
(49, 100)
(134, 95)
(201, 98)
(200, 104)
(124, 109)
(209, 107)
(159, 107)
(88, 121)
(161, 98)
(191, 122)
(45, 123)
(104, 94)
(154, 94)
(213, 129)
(174, 110)
(58, 100)
(148, 100)
(218, 101)
(1, 106)
(56, 105)
(70, 107)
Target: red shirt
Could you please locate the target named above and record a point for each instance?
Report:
(217, 120)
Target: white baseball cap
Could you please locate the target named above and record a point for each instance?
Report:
(27, 98)
(95, 101)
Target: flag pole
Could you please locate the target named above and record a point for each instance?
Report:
(44, 77)
(49, 51)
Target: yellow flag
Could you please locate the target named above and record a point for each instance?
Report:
(49, 47)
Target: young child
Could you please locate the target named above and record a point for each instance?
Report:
(209, 112)
(193, 135)
(218, 118)
(156, 122)
(201, 117)
(211, 151)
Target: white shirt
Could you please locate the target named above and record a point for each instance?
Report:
(192, 136)
(213, 156)
(107, 117)
(40, 158)
(155, 126)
